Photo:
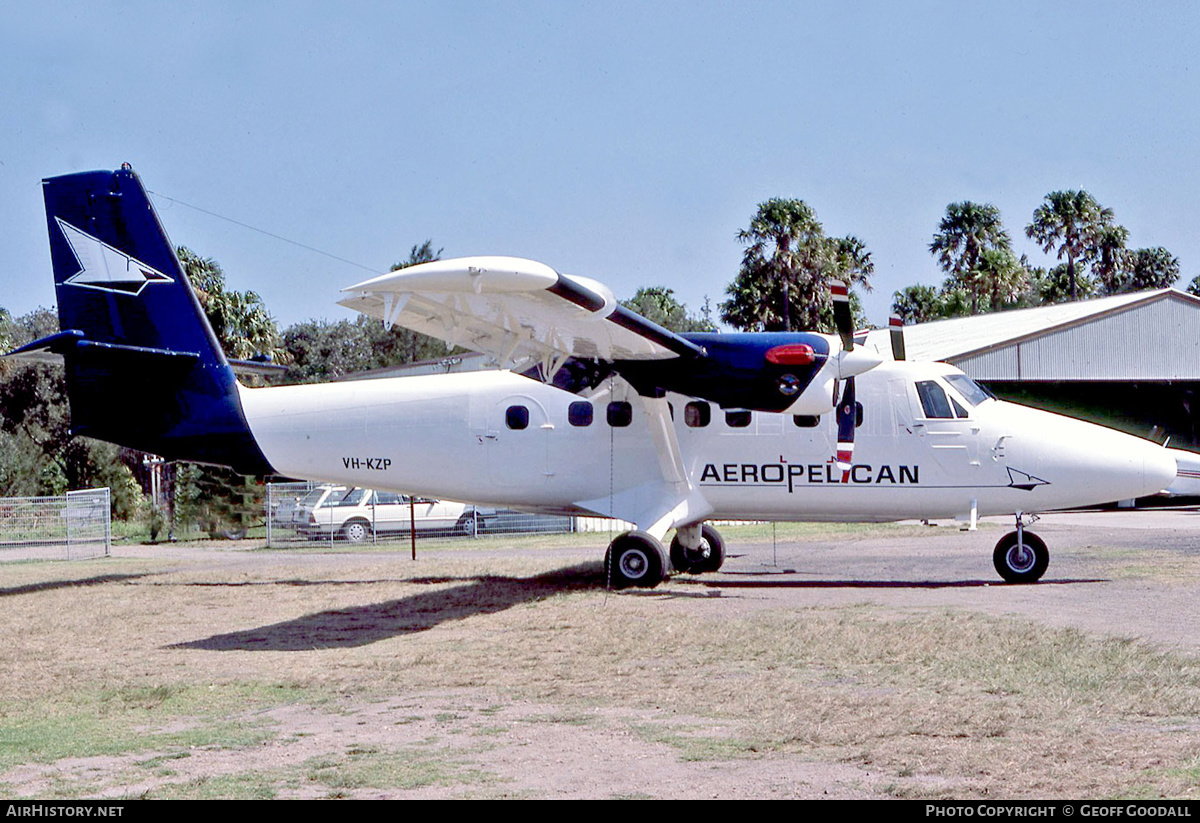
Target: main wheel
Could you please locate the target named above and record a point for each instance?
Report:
(356, 531)
(708, 557)
(635, 559)
(1021, 562)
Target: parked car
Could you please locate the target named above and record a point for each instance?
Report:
(357, 514)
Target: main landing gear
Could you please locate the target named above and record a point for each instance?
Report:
(639, 559)
(1021, 556)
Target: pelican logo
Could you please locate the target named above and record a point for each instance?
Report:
(105, 268)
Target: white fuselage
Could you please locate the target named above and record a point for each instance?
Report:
(453, 436)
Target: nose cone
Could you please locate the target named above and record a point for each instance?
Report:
(1084, 464)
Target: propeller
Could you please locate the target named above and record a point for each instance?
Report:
(846, 407)
(896, 327)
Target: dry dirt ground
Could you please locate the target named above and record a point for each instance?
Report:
(456, 677)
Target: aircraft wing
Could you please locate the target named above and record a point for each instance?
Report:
(518, 311)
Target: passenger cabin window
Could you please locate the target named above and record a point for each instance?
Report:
(934, 400)
(517, 417)
(697, 414)
(620, 413)
(738, 419)
(579, 413)
(858, 413)
(806, 421)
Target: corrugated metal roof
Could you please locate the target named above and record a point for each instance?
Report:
(1150, 335)
(960, 336)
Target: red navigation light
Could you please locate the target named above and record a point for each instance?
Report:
(792, 354)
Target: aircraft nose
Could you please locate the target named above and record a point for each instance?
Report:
(1159, 468)
(1085, 464)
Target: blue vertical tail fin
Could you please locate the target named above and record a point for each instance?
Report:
(144, 368)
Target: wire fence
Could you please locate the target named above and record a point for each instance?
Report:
(71, 526)
(309, 513)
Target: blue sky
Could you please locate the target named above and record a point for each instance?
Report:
(627, 142)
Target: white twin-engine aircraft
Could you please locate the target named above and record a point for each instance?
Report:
(593, 410)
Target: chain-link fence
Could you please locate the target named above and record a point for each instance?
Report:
(308, 513)
(69, 527)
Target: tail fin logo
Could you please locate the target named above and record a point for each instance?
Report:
(105, 268)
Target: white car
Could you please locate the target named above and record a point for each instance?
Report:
(357, 514)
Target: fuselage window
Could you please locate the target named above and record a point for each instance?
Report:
(697, 414)
(739, 419)
(579, 413)
(858, 412)
(620, 413)
(934, 400)
(517, 417)
(806, 421)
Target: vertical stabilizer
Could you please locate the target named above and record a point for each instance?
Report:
(144, 368)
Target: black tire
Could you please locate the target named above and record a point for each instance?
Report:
(466, 526)
(708, 558)
(1021, 564)
(234, 533)
(635, 559)
(356, 531)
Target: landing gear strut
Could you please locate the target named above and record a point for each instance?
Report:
(1021, 556)
(635, 559)
(696, 553)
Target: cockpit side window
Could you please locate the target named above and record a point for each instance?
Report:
(934, 400)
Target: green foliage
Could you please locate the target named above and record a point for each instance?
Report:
(215, 500)
(1071, 222)
(320, 350)
(240, 320)
(1143, 269)
(783, 283)
(422, 253)
(658, 305)
(967, 233)
(921, 304)
(38, 454)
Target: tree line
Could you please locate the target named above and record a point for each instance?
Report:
(984, 274)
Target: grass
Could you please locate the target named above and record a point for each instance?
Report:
(183, 676)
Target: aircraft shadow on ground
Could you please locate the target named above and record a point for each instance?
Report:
(729, 582)
(362, 625)
(51, 585)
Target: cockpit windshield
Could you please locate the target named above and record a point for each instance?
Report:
(971, 391)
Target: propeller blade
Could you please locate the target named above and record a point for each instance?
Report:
(841, 313)
(846, 418)
(896, 327)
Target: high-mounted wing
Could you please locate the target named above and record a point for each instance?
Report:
(518, 311)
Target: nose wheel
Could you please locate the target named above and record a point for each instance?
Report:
(1021, 557)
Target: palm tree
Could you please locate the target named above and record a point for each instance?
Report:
(786, 246)
(1110, 257)
(1069, 221)
(1002, 275)
(965, 233)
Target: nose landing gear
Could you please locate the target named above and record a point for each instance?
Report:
(1021, 556)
